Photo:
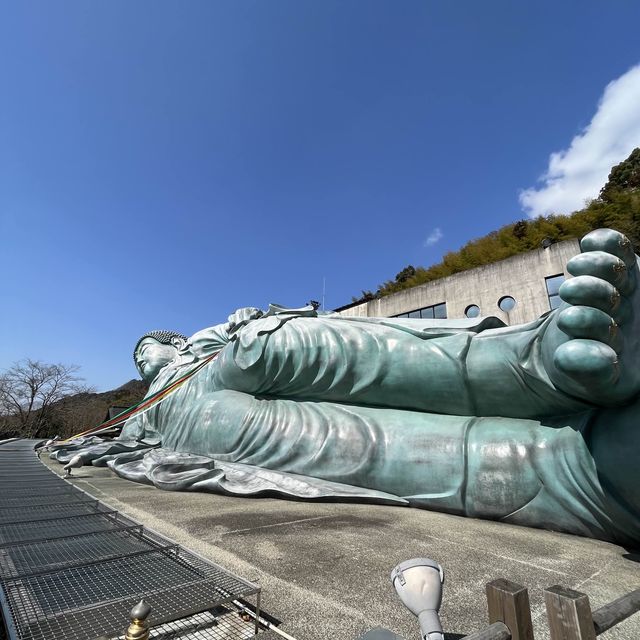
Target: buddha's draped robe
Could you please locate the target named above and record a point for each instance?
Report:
(362, 403)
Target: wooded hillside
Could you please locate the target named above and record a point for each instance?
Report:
(617, 207)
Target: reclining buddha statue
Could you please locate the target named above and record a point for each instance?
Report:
(536, 424)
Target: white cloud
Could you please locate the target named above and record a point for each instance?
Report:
(578, 173)
(433, 237)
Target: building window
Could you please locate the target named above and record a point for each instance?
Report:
(435, 311)
(440, 311)
(506, 303)
(553, 286)
(472, 311)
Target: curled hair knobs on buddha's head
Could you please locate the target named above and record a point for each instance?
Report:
(161, 335)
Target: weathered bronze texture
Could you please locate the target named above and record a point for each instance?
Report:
(533, 424)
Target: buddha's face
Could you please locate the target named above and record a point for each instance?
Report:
(151, 356)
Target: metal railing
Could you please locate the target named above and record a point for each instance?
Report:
(568, 613)
(72, 568)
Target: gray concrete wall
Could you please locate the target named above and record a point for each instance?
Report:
(521, 277)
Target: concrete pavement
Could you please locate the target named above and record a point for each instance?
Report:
(324, 567)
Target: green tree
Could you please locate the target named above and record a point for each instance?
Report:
(406, 274)
(623, 177)
(520, 229)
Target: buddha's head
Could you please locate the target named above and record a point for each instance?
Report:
(155, 350)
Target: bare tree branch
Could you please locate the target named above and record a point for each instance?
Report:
(30, 388)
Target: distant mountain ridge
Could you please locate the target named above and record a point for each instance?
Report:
(82, 411)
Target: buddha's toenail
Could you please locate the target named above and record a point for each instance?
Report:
(619, 266)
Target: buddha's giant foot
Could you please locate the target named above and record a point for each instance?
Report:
(596, 343)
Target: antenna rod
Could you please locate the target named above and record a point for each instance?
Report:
(324, 286)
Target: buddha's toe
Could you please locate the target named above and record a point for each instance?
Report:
(599, 360)
(607, 267)
(591, 291)
(590, 363)
(592, 324)
(609, 241)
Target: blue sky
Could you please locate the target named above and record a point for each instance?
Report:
(164, 163)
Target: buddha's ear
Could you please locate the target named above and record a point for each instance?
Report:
(178, 342)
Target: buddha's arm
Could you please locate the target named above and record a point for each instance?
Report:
(212, 339)
(495, 372)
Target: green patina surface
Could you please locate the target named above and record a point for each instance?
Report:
(533, 425)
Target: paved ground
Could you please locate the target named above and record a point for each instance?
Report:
(324, 567)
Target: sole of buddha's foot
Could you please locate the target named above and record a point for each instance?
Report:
(601, 317)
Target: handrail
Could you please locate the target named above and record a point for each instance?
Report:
(620, 609)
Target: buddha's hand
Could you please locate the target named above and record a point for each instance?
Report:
(600, 359)
(241, 317)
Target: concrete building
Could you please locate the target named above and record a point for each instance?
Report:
(516, 290)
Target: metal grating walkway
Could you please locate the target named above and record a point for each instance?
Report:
(72, 568)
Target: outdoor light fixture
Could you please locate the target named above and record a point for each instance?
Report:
(418, 582)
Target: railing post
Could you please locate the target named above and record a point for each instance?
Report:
(569, 614)
(139, 628)
(508, 602)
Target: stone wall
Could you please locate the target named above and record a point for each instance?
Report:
(521, 277)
